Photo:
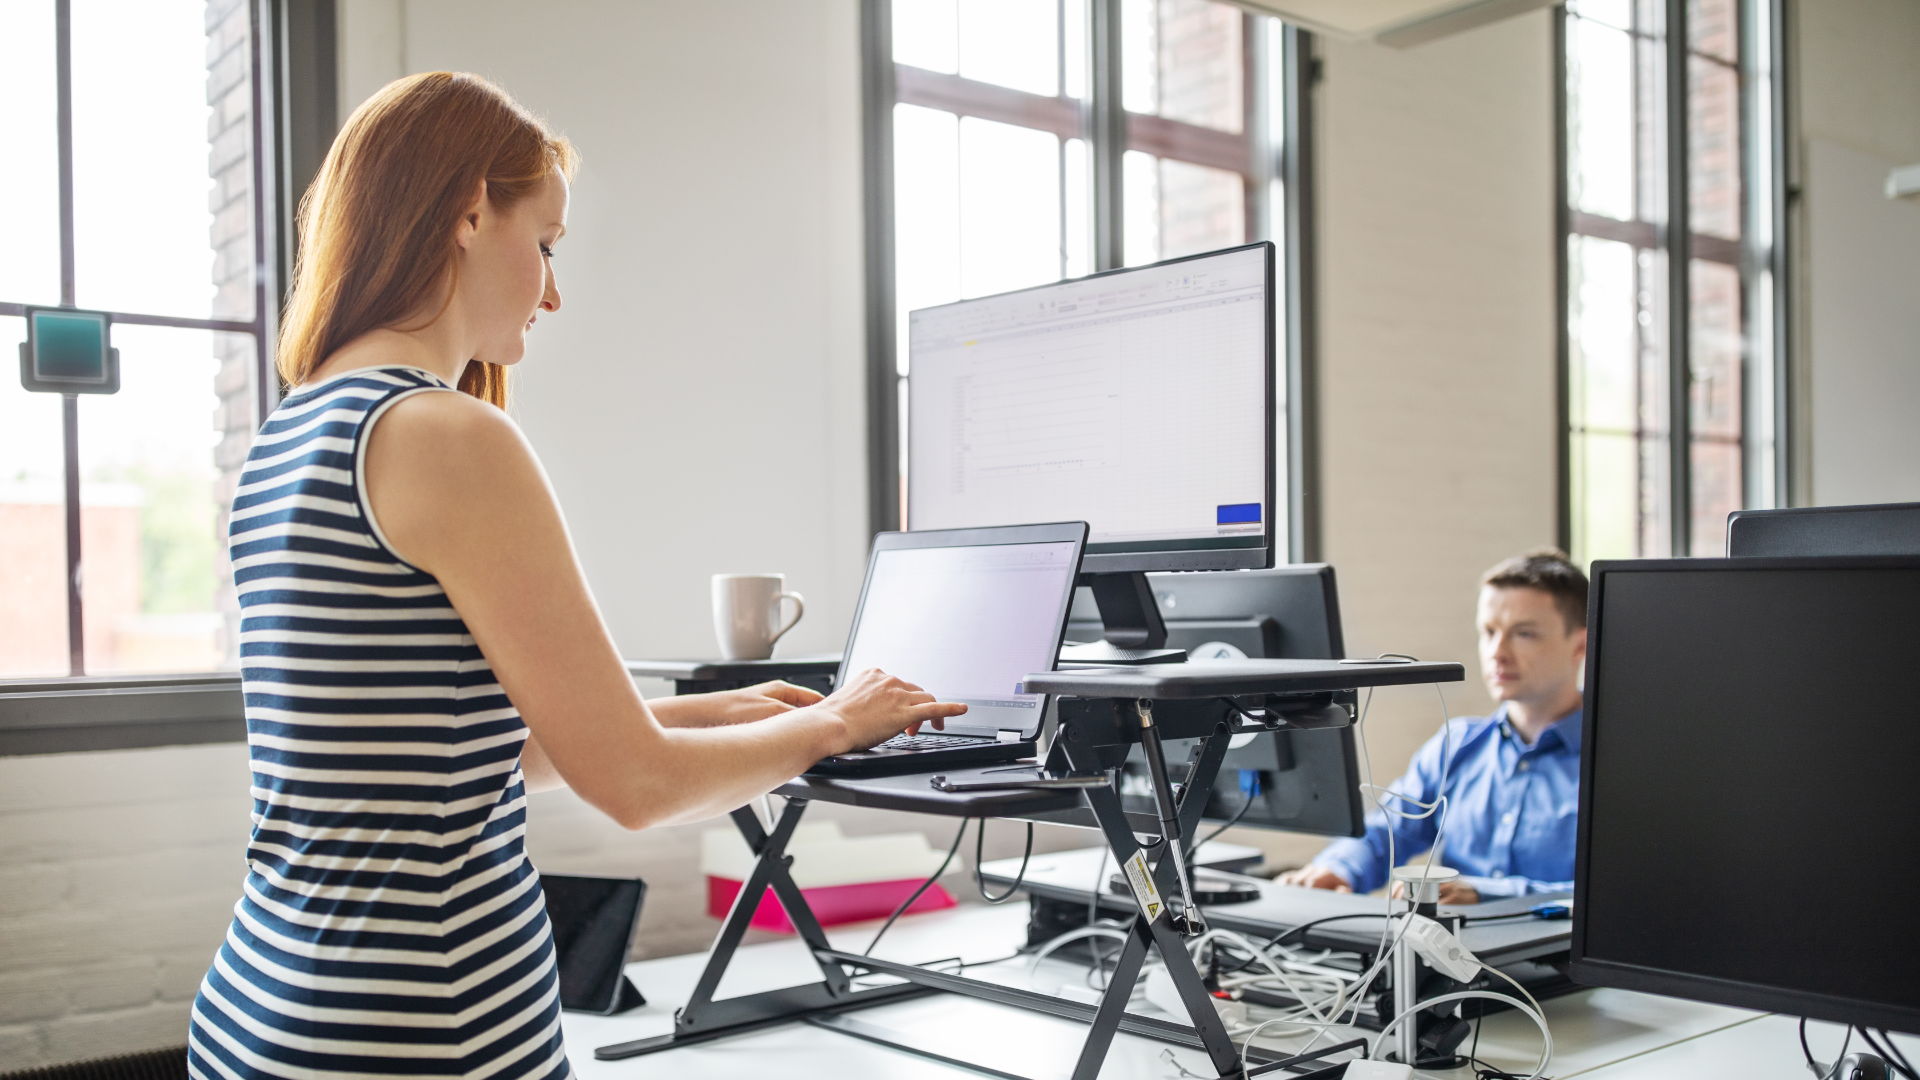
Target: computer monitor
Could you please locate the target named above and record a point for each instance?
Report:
(1286, 613)
(1292, 781)
(1747, 790)
(1141, 401)
(1883, 529)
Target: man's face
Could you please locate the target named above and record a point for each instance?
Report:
(1527, 652)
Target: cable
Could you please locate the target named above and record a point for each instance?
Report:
(924, 886)
(1893, 1058)
(1231, 822)
(1546, 1036)
(1900, 1054)
(1814, 1066)
(979, 843)
(1093, 904)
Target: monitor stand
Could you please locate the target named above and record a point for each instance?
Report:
(1135, 632)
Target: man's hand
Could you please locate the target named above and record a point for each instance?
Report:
(1452, 893)
(1315, 877)
(724, 707)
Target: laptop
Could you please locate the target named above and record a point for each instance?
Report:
(967, 615)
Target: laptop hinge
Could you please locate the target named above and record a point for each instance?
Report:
(1009, 735)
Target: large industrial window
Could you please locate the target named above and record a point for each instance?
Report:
(1674, 351)
(133, 185)
(1033, 140)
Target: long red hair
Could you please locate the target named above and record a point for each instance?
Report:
(377, 226)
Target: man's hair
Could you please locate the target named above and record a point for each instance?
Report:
(1550, 571)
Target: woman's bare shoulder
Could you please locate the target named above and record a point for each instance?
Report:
(442, 464)
(436, 425)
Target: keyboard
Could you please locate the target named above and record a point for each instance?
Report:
(928, 742)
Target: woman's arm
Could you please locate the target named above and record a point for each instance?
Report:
(458, 492)
(724, 707)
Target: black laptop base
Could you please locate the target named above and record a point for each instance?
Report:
(881, 762)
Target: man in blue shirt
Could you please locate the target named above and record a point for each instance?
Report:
(1511, 780)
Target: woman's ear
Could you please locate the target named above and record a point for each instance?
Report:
(463, 234)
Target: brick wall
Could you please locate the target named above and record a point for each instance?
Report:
(230, 164)
(118, 874)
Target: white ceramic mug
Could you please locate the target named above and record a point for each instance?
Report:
(746, 614)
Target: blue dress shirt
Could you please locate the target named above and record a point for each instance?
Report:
(1511, 810)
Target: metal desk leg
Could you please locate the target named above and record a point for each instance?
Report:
(1107, 810)
(702, 1018)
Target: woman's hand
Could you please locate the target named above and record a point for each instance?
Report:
(725, 707)
(874, 707)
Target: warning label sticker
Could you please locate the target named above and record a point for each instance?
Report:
(1144, 892)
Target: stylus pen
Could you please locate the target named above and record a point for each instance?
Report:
(1169, 816)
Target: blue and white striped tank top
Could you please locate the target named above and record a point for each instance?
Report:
(390, 924)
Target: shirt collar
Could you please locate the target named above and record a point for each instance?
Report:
(1568, 729)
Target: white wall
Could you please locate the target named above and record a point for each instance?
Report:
(699, 400)
(1859, 106)
(1863, 263)
(1437, 348)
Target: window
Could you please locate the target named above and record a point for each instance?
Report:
(1673, 352)
(1033, 140)
(135, 189)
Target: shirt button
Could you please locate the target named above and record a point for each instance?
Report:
(1524, 765)
(1499, 873)
(1507, 817)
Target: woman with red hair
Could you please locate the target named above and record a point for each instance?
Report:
(419, 648)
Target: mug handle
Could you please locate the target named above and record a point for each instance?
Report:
(799, 609)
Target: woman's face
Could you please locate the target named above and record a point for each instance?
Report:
(506, 279)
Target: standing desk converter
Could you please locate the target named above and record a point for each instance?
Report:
(1103, 712)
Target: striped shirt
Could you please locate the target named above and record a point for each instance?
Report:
(390, 923)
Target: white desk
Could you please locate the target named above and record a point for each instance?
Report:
(1603, 1034)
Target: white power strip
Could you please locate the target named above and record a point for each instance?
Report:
(1438, 947)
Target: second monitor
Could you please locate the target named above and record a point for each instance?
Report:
(1295, 781)
(1141, 401)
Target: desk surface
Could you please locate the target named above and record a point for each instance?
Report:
(1605, 1034)
(1232, 678)
(914, 792)
(1067, 875)
(729, 670)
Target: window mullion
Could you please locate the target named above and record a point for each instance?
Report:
(69, 404)
(1679, 283)
(1107, 137)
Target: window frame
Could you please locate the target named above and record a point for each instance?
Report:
(1762, 249)
(294, 116)
(1110, 131)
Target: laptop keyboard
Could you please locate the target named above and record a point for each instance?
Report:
(928, 742)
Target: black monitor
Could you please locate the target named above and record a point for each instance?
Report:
(1882, 529)
(1141, 401)
(1294, 781)
(1747, 796)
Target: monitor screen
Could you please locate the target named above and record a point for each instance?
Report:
(967, 624)
(1140, 401)
(1748, 810)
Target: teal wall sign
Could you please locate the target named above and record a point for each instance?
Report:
(68, 352)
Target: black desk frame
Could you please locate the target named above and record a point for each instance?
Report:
(1093, 738)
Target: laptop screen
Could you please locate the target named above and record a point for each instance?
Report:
(967, 624)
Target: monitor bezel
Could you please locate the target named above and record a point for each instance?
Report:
(1095, 560)
(1058, 532)
(1611, 973)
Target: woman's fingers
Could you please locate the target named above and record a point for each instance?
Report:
(788, 693)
